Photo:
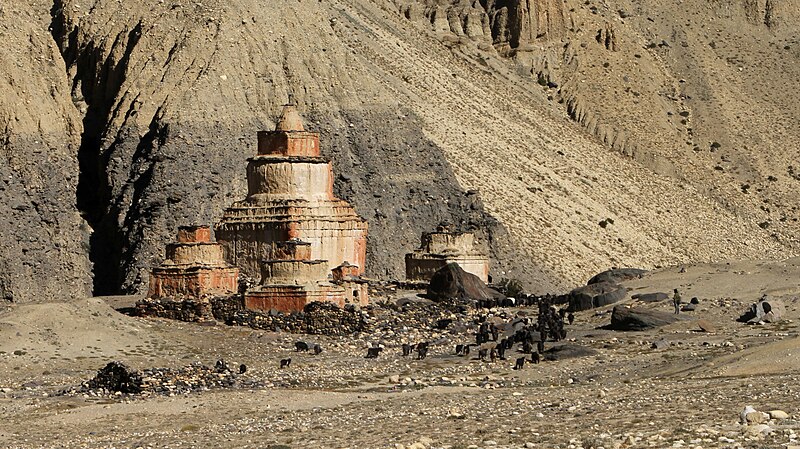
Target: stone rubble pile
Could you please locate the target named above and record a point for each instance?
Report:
(117, 379)
(316, 318)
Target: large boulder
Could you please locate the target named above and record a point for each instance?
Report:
(650, 297)
(451, 282)
(617, 275)
(766, 310)
(596, 295)
(638, 319)
(568, 351)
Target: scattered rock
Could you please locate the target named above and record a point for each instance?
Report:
(706, 326)
(451, 282)
(752, 416)
(116, 377)
(778, 414)
(650, 297)
(660, 344)
(568, 351)
(760, 429)
(455, 414)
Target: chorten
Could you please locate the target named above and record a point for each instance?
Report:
(443, 247)
(291, 231)
(194, 267)
(290, 196)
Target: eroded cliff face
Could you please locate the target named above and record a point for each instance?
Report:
(43, 250)
(507, 24)
(173, 95)
(431, 110)
(691, 92)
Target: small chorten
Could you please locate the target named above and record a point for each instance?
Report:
(290, 119)
(442, 247)
(194, 267)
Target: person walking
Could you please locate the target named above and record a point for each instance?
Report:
(676, 301)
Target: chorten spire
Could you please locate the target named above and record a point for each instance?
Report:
(289, 138)
(290, 119)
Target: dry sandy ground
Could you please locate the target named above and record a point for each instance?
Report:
(689, 394)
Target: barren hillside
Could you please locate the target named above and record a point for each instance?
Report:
(560, 116)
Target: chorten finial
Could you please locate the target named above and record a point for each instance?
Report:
(290, 119)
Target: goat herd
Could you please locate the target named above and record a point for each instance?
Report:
(494, 336)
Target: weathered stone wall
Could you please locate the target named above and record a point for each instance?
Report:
(289, 144)
(176, 308)
(443, 247)
(291, 298)
(442, 242)
(316, 318)
(249, 235)
(194, 234)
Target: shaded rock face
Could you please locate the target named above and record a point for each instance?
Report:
(144, 124)
(595, 295)
(673, 104)
(42, 256)
(508, 24)
(451, 282)
(635, 319)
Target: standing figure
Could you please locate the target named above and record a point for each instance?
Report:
(676, 301)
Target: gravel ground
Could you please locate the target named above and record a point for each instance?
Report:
(689, 393)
